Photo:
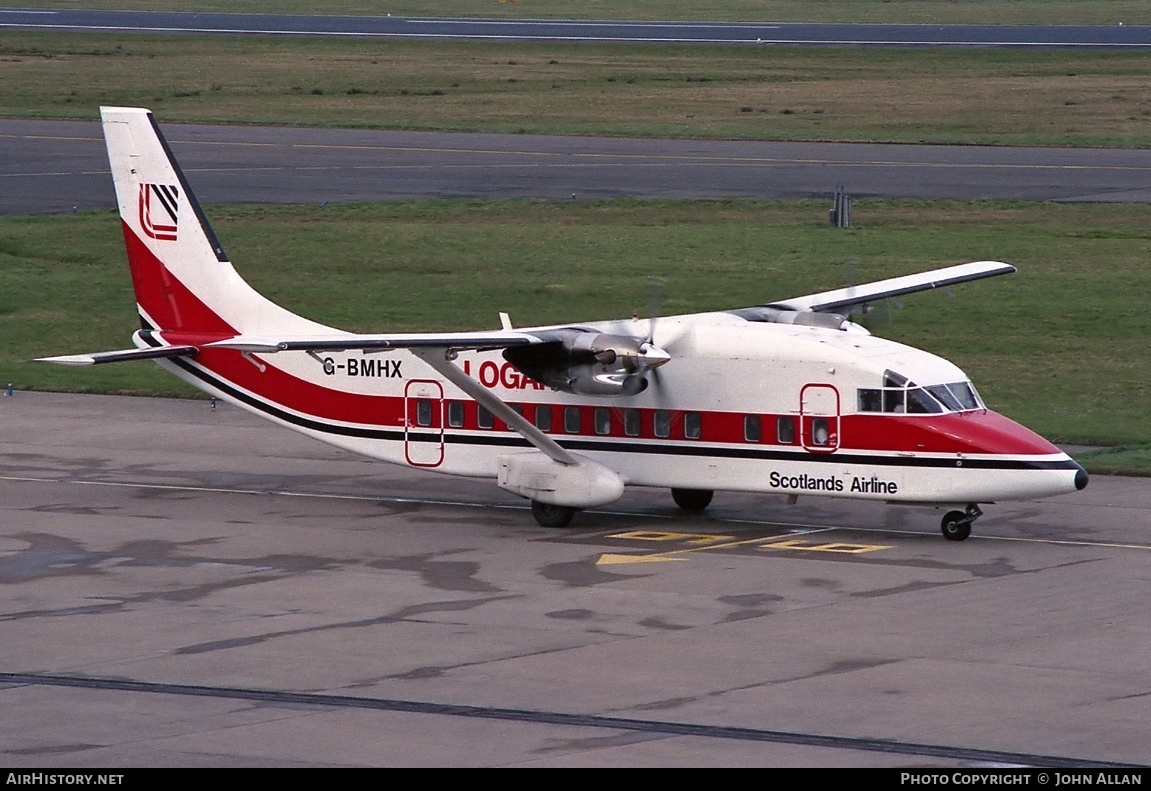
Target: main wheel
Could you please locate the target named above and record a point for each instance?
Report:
(956, 526)
(548, 515)
(692, 499)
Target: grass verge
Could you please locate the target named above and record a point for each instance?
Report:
(1000, 96)
(1120, 460)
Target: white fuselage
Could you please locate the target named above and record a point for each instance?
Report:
(782, 414)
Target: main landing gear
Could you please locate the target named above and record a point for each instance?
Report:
(548, 515)
(956, 525)
(693, 500)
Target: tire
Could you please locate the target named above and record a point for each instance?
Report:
(548, 515)
(694, 500)
(955, 526)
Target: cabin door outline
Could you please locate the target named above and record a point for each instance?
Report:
(819, 406)
(424, 423)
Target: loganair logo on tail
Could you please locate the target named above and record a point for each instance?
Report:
(159, 204)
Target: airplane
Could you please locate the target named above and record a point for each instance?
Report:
(787, 397)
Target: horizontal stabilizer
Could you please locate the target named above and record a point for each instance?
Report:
(124, 355)
(349, 341)
(897, 286)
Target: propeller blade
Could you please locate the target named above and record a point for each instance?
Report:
(654, 302)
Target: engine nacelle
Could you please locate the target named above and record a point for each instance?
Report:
(589, 363)
(807, 318)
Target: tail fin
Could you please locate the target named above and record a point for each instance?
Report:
(182, 278)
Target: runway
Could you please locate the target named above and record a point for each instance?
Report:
(60, 166)
(577, 30)
(195, 587)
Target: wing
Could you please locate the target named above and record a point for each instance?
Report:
(573, 359)
(853, 296)
(459, 341)
(151, 347)
(121, 356)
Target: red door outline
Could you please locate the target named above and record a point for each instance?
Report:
(819, 418)
(424, 444)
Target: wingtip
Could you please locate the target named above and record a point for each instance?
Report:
(69, 359)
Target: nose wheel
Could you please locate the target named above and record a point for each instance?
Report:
(956, 525)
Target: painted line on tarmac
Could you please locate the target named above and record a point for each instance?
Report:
(566, 719)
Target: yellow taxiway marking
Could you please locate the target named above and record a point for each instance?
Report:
(699, 542)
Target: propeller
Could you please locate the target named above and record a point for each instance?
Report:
(872, 315)
(654, 303)
(579, 360)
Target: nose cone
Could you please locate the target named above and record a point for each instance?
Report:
(1081, 479)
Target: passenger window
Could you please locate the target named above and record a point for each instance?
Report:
(752, 430)
(483, 416)
(785, 430)
(631, 422)
(544, 418)
(602, 419)
(423, 412)
(820, 432)
(456, 414)
(572, 422)
(692, 425)
(662, 423)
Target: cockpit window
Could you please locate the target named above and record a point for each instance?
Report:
(920, 403)
(899, 394)
(965, 394)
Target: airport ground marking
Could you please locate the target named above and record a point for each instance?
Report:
(708, 541)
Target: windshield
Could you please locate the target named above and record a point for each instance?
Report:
(900, 395)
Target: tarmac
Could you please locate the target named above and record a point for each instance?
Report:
(186, 586)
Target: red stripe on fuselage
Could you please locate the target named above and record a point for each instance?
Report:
(984, 432)
(184, 319)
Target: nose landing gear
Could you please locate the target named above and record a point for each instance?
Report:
(956, 525)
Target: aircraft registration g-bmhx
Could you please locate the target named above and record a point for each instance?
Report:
(788, 397)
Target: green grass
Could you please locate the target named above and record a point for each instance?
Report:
(1018, 97)
(999, 12)
(1060, 346)
(1119, 460)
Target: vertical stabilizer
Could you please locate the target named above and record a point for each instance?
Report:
(182, 278)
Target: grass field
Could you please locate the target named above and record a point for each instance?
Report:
(1049, 97)
(1059, 346)
(993, 12)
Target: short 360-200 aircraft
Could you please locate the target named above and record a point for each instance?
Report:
(788, 397)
